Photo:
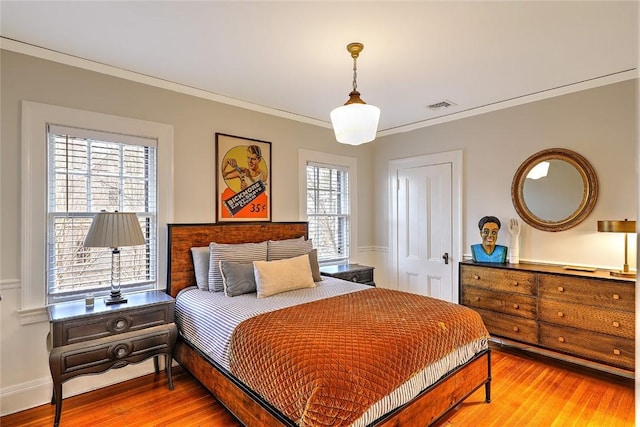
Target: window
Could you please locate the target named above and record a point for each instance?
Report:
(328, 211)
(37, 120)
(90, 171)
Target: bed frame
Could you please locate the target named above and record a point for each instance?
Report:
(249, 408)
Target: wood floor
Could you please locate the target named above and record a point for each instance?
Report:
(525, 392)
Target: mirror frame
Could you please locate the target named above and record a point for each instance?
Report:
(589, 196)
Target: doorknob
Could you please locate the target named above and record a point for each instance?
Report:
(445, 257)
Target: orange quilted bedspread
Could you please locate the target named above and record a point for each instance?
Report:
(325, 363)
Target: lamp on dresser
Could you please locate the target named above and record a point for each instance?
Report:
(625, 227)
(114, 230)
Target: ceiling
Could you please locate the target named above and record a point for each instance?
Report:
(290, 58)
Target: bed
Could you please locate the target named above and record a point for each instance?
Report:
(251, 407)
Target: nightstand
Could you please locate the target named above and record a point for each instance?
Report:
(89, 340)
(351, 272)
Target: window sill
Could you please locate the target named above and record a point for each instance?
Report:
(32, 316)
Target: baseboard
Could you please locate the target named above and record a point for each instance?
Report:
(38, 392)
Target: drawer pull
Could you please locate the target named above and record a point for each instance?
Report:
(515, 283)
(560, 289)
(354, 279)
(120, 324)
(561, 339)
(516, 329)
(616, 352)
(616, 296)
(516, 306)
(477, 299)
(616, 324)
(560, 314)
(475, 276)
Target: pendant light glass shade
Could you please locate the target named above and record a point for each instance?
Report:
(355, 122)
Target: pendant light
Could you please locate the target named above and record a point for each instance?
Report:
(355, 122)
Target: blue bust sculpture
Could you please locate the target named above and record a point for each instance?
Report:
(488, 251)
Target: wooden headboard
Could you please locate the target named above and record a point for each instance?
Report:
(183, 237)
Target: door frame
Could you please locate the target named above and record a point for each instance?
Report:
(455, 159)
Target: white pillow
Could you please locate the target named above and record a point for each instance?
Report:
(274, 277)
(201, 266)
(240, 252)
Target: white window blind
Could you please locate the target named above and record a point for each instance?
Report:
(328, 211)
(90, 171)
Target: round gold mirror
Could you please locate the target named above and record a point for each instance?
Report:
(554, 190)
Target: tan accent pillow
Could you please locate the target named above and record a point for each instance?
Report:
(274, 277)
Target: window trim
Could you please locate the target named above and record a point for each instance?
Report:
(35, 117)
(351, 163)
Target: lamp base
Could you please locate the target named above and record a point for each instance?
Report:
(115, 299)
(629, 274)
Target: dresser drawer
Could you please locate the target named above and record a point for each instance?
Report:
(499, 279)
(74, 330)
(596, 319)
(618, 295)
(112, 352)
(615, 351)
(513, 304)
(515, 328)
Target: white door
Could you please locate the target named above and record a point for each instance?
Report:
(424, 217)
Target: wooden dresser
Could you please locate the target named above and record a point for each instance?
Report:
(588, 315)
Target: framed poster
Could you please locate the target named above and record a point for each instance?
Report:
(243, 179)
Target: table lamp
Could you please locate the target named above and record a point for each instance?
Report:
(114, 230)
(625, 227)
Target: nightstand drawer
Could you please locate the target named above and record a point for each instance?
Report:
(76, 330)
(112, 352)
(351, 272)
(362, 276)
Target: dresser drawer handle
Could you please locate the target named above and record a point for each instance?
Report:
(561, 339)
(516, 306)
(560, 289)
(560, 314)
(477, 299)
(515, 283)
(120, 324)
(616, 296)
(476, 277)
(616, 324)
(516, 329)
(616, 352)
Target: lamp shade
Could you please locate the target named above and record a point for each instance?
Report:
(625, 226)
(355, 123)
(114, 230)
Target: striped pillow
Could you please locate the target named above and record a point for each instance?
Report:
(289, 248)
(240, 252)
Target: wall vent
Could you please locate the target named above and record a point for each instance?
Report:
(441, 104)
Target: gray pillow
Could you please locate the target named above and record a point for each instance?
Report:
(201, 266)
(315, 267)
(238, 278)
(240, 252)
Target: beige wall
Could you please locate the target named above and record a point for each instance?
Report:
(598, 123)
(23, 356)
